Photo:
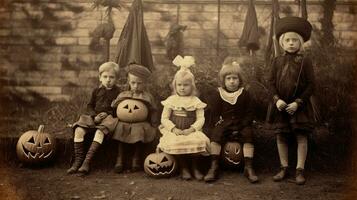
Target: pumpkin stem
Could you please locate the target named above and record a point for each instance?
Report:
(40, 128)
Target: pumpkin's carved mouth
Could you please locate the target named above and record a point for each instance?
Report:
(30, 154)
(162, 170)
(232, 161)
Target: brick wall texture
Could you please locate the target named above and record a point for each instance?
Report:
(45, 44)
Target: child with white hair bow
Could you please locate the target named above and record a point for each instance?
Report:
(182, 120)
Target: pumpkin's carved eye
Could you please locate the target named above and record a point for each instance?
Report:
(127, 106)
(31, 140)
(151, 162)
(47, 141)
(164, 159)
(136, 107)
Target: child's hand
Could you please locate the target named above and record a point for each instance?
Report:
(177, 131)
(281, 105)
(100, 117)
(188, 131)
(291, 108)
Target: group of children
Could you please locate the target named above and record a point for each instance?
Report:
(291, 84)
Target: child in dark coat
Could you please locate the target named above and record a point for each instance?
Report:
(232, 116)
(98, 118)
(291, 84)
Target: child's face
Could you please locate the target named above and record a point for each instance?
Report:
(107, 78)
(291, 42)
(136, 84)
(231, 81)
(183, 86)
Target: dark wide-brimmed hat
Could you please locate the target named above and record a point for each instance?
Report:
(294, 24)
(139, 71)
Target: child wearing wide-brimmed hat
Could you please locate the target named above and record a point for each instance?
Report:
(291, 84)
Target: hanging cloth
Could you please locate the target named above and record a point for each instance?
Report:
(133, 44)
(250, 34)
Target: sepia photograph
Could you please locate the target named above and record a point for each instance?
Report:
(178, 99)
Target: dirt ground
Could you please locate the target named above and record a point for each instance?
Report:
(53, 183)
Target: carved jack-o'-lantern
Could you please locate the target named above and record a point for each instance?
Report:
(160, 165)
(34, 147)
(232, 154)
(131, 110)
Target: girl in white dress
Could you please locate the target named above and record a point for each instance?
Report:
(182, 120)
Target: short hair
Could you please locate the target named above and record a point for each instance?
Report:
(109, 66)
(186, 74)
(301, 40)
(230, 68)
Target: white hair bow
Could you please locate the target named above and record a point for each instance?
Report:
(185, 63)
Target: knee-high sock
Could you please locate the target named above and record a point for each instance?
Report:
(215, 148)
(301, 150)
(79, 134)
(99, 136)
(248, 150)
(283, 150)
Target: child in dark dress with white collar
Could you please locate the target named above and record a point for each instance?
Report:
(232, 116)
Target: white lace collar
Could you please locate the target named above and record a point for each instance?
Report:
(230, 97)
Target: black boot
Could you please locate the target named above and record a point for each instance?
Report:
(119, 167)
(90, 154)
(299, 177)
(212, 173)
(185, 172)
(78, 157)
(195, 168)
(135, 165)
(249, 171)
(282, 174)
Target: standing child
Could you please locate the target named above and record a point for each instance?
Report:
(291, 83)
(136, 114)
(232, 116)
(99, 118)
(182, 120)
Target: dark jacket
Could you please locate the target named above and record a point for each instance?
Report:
(101, 100)
(291, 79)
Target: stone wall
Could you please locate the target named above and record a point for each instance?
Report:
(45, 43)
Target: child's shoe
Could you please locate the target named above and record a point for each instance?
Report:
(249, 171)
(282, 174)
(135, 166)
(119, 167)
(185, 172)
(212, 173)
(299, 177)
(84, 169)
(78, 157)
(196, 172)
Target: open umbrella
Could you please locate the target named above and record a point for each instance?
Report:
(133, 44)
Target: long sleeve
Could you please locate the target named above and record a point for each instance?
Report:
(309, 79)
(272, 81)
(249, 114)
(91, 105)
(200, 119)
(165, 119)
